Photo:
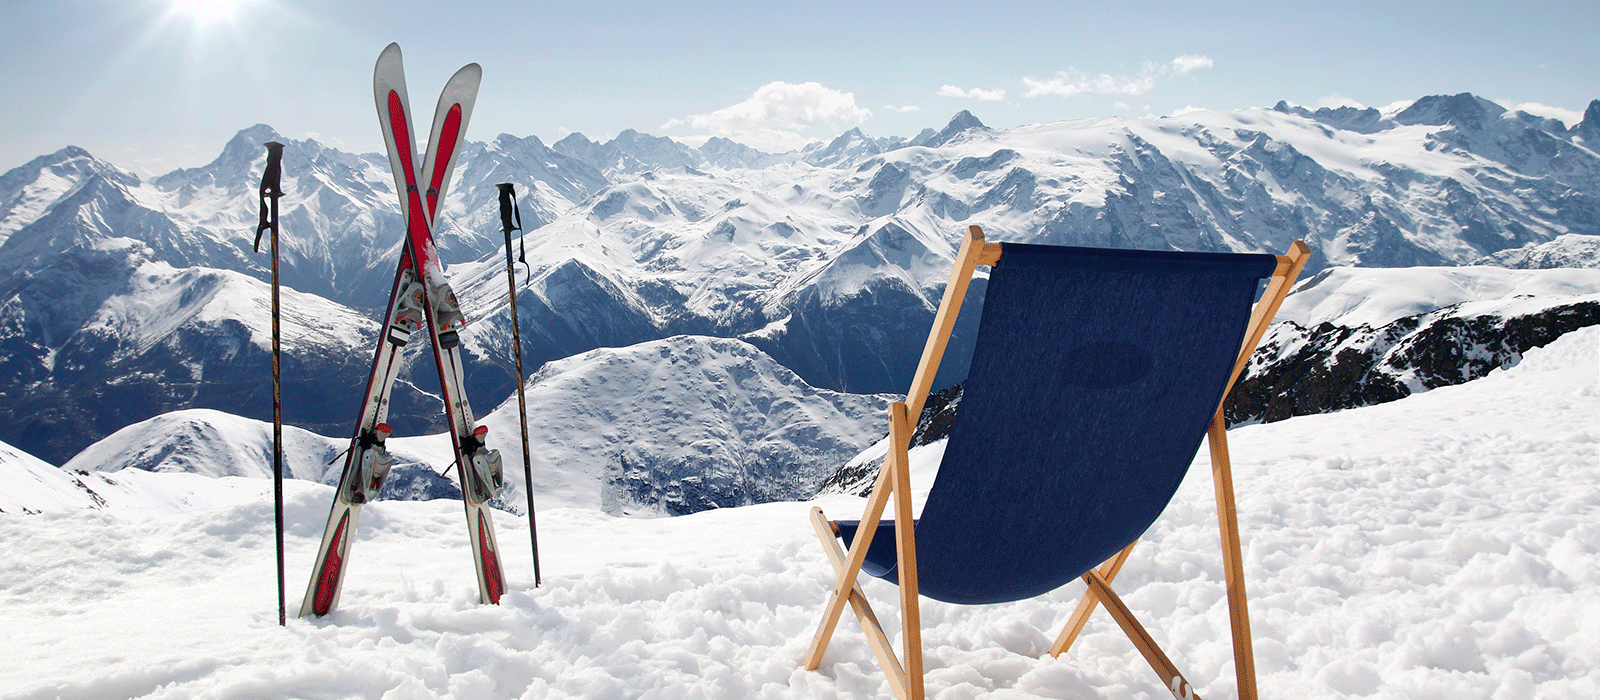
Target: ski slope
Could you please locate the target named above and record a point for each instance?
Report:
(1446, 545)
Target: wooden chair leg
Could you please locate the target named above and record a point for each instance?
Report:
(900, 427)
(852, 568)
(1088, 603)
(1141, 639)
(1244, 658)
(828, 533)
(893, 484)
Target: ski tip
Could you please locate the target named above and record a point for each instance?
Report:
(389, 57)
(470, 71)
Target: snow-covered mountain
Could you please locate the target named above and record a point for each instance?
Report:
(681, 425)
(1351, 337)
(108, 335)
(215, 444)
(664, 427)
(1568, 250)
(1448, 180)
(35, 486)
(340, 234)
(830, 259)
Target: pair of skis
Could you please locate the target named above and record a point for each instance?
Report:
(420, 296)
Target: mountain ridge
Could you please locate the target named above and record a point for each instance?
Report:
(642, 238)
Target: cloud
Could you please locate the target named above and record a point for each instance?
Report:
(1188, 64)
(1567, 116)
(1186, 109)
(776, 115)
(1069, 82)
(332, 141)
(1074, 82)
(1337, 100)
(903, 108)
(1394, 108)
(974, 93)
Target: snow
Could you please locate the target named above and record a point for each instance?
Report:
(690, 412)
(707, 237)
(1439, 546)
(647, 429)
(1347, 296)
(208, 443)
(1566, 250)
(162, 298)
(33, 485)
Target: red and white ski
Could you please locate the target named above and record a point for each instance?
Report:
(420, 296)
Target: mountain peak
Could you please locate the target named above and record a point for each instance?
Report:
(72, 162)
(246, 144)
(69, 154)
(232, 166)
(1465, 111)
(845, 150)
(962, 122)
(726, 153)
(1589, 128)
(575, 138)
(1366, 121)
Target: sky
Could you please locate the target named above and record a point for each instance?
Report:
(155, 85)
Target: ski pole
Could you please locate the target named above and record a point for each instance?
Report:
(511, 220)
(271, 190)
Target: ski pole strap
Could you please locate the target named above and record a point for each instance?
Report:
(511, 219)
(271, 188)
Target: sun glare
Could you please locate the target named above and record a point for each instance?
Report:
(207, 13)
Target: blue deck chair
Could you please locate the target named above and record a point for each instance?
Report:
(1095, 376)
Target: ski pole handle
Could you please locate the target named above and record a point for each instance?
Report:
(511, 218)
(271, 188)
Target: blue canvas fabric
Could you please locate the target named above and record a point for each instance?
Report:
(1094, 378)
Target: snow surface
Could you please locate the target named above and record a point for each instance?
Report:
(1374, 297)
(1440, 546)
(34, 486)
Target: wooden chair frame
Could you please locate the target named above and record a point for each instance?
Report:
(894, 484)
